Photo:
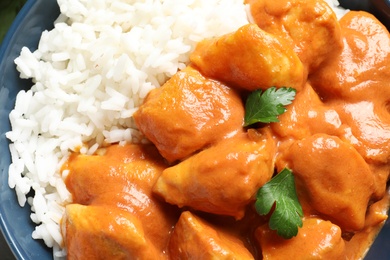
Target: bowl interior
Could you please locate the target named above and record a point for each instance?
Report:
(35, 17)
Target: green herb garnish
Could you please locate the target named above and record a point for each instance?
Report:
(287, 215)
(264, 107)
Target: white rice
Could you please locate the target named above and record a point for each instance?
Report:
(90, 74)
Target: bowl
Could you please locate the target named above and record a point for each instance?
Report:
(15, 223)
(16, 226)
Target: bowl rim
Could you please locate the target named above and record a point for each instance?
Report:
(5, 46)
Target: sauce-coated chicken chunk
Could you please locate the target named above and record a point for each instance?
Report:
(317, 239)
(310, 26)
(114, 204)
(249, 59)
(356, 84)
(222, 179)
(194, 238)
(188, 113)
(101, 232)
(308, 115)
(362, 69)
(117, 166)
(334, 189)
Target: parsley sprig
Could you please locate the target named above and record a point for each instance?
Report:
(279, 193)
(287, 214)
(264, 107)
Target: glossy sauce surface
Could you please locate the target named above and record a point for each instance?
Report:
(190, 193)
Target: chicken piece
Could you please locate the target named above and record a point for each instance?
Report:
(222, 179)
(369, 133)
(356, 83)
(249, 59)
(317, 239)
(332, 177)
(193, 238)
(310, 26)
(188, 113)
(120, 165)
(122, 179)
(308, 115)
(96, 232)
(155, 217)
(362, 70)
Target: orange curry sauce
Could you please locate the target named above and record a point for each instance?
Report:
(190, 193)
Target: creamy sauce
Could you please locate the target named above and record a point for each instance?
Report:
(190, 193)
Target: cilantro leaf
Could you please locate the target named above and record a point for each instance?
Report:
(264, 107)
(287, 215)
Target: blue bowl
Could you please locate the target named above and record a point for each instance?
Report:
(35, 17)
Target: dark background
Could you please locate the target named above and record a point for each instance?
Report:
(8, 11)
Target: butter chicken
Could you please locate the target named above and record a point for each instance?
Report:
(189, 193)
